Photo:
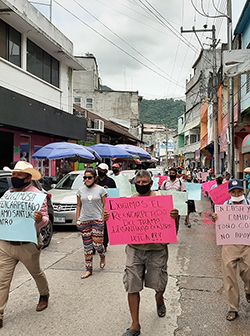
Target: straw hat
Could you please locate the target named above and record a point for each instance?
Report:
(25, 167)
(247, 170)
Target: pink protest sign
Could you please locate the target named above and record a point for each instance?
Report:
(141, 220)
(233, 224)
(162, 179)
(207, 185)
(220, 194)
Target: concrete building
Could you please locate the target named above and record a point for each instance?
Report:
(119, 106)
(196, 94)
(36, 91)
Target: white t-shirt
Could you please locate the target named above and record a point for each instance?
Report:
(92, 206)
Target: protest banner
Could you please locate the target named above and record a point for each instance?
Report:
(141, 220)
(204, 176)
(194, 191)
(220, 194)
(208, 185)
(123, 184)
(17, 215)
(155, 185)
(113, 192)
(162, 179)
(179, 199)
(233, 224)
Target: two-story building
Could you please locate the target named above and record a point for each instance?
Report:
(36, 90)
(121, 107)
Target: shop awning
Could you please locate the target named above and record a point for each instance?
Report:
(246, 144)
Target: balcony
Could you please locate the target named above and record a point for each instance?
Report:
(191, 148)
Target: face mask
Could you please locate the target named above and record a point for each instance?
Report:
(172, 177)
(189, 180)
(115, 171)
(143, 189)
(18, 183)
(237, 199)
(101, 174)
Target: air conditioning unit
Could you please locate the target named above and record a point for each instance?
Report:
(98, 125)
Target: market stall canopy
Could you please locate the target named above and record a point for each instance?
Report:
(246, 144)
(136, 151)
(107, 151)
(64, 150)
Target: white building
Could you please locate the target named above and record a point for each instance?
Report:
(121, 107)
(36, 92)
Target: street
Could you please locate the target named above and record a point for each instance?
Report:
(98, 305)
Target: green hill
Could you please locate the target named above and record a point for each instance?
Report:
(161, 111)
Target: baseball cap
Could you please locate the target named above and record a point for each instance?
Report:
(235, 184)
(103, 166)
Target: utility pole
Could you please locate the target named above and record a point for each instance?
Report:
(166, 147)
(215, 98)
(231, 95)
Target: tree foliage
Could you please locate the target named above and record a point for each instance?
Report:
(161, 111)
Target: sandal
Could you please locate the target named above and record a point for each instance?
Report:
(232, 315)
(102, 262)
(130, 332)
(161, 310)
(86, 275)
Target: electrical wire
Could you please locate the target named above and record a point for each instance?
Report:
(216, 8)
(205, 15)
(117, 46)
(123, 40)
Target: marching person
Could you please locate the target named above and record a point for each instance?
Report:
(146, 265)
(90, 219)
(173, 183)
(190, 205)
(11, 252)
(105, 181)
(235, 257)
(116, 169)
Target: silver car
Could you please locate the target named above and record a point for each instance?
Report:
(64, 198)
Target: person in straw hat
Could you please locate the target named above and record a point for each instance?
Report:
(11, 252)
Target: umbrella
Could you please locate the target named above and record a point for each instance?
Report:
(63, 150)
(137, 151)
(107, 151)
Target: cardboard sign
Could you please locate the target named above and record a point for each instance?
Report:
(208, 185)
(233, 224)
(123, 184)
(220, 194)
(141, 220)
(17, 215)
(179, 199)
(194, 191)
(155, 185)
(162, 179)
(113, 192)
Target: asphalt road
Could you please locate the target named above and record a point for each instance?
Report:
(98, 306)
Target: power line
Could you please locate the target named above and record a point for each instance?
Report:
(123, 40)
(115, 45)
(204, 14)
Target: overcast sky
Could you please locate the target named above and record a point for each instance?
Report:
(162, 50)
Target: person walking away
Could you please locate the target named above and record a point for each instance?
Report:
(235, 257)
(146, 264)
(12, 252)
(190, 205)
(90, 219)
(107, 182)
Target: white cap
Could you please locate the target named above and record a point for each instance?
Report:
(103, 166)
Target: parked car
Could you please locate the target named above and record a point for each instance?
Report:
(64, 198)
(47, 232)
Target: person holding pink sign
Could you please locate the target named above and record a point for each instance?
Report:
(234, 256)
(146, 264)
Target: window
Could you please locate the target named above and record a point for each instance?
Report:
(192, 138)
(89, 103)
(41, 64)
(10, 43)
(77, 100)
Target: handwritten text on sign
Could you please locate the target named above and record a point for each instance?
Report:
(141, 220)
(17, 215)
(233, 224)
